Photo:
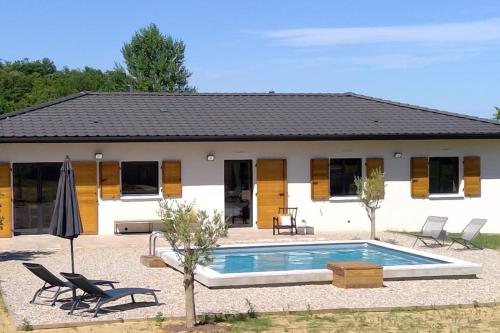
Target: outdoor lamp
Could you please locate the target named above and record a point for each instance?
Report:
(211, 157)
(398, 155)
(98, 156)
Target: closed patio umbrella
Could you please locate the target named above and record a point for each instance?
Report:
(66, 221)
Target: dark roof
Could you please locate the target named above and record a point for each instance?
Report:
(89, 116)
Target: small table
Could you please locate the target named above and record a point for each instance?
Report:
(356, 274)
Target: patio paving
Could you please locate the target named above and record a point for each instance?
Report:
(117, 258)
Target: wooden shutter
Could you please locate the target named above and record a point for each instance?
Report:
(319, 179)
(419, 175)
(5, 195)
(86, 194)
(171, 179)
(110, 179)
(374, 163)
(472, 176)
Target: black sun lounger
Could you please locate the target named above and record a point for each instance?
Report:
(103, 296)
(53, 284)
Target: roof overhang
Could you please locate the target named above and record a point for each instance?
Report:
(248, 138)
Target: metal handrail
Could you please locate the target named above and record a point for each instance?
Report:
(152, 242)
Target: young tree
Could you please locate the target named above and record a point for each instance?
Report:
(156, 61)
(1, 217)
(370, 190)
(193, 235)
(496, 115)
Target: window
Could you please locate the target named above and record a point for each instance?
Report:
(139, 178)
(342, 174)
(443, 175)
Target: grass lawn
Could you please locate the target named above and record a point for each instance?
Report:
(488, 241)
(485, 319)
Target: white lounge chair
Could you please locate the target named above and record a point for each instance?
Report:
(432, 230)
(471, 231)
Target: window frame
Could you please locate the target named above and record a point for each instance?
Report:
(361, 174)
(457, 176)
(128, 195)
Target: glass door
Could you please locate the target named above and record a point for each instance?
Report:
(238, 192)
(35, 188)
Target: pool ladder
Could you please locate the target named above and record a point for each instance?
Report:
(152, 242)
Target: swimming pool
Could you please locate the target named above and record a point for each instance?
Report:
(308, 256)
(303, 262)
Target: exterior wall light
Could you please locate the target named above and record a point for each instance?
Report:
(211, 157)
(398, 155)
(98, 156)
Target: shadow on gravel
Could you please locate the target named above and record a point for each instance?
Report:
(23, 255)
(86, 310)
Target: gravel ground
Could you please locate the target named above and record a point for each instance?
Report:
(122, 264)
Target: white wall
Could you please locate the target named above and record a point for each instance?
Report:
(203, 181)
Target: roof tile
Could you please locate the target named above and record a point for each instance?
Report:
(138, 116)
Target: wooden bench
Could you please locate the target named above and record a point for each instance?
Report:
(356, 274)
(137, 226)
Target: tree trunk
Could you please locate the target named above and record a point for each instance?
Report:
(372, 221)
(189, 295)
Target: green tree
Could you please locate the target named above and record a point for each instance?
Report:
(24, 83)
(193, 235)
(496, 115)
(156, 61)
(370, 190)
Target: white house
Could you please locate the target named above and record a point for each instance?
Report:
(247, 155)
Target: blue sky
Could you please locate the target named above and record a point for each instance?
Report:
(442, 54)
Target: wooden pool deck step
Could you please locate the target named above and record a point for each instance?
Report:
(356, 274)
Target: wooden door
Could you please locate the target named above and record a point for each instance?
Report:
(271, 190)
(86, 193)
(5, 193)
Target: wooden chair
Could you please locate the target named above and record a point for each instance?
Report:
(286, 219)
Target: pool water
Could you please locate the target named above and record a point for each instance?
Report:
(308, 256)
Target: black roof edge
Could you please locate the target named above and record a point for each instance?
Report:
(248, 138)
(43, 105)
(159, 93)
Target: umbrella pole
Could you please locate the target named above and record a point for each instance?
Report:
(72, 267)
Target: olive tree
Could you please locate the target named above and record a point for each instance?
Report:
(193, 235)
(370, 190)
(1, 217)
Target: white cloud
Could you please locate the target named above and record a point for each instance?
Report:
(474, 31)
(385, 60)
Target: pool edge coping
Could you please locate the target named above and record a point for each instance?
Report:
(214, 279)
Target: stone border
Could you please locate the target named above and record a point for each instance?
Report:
(212, 279)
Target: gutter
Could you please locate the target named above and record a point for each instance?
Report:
(248, 138)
